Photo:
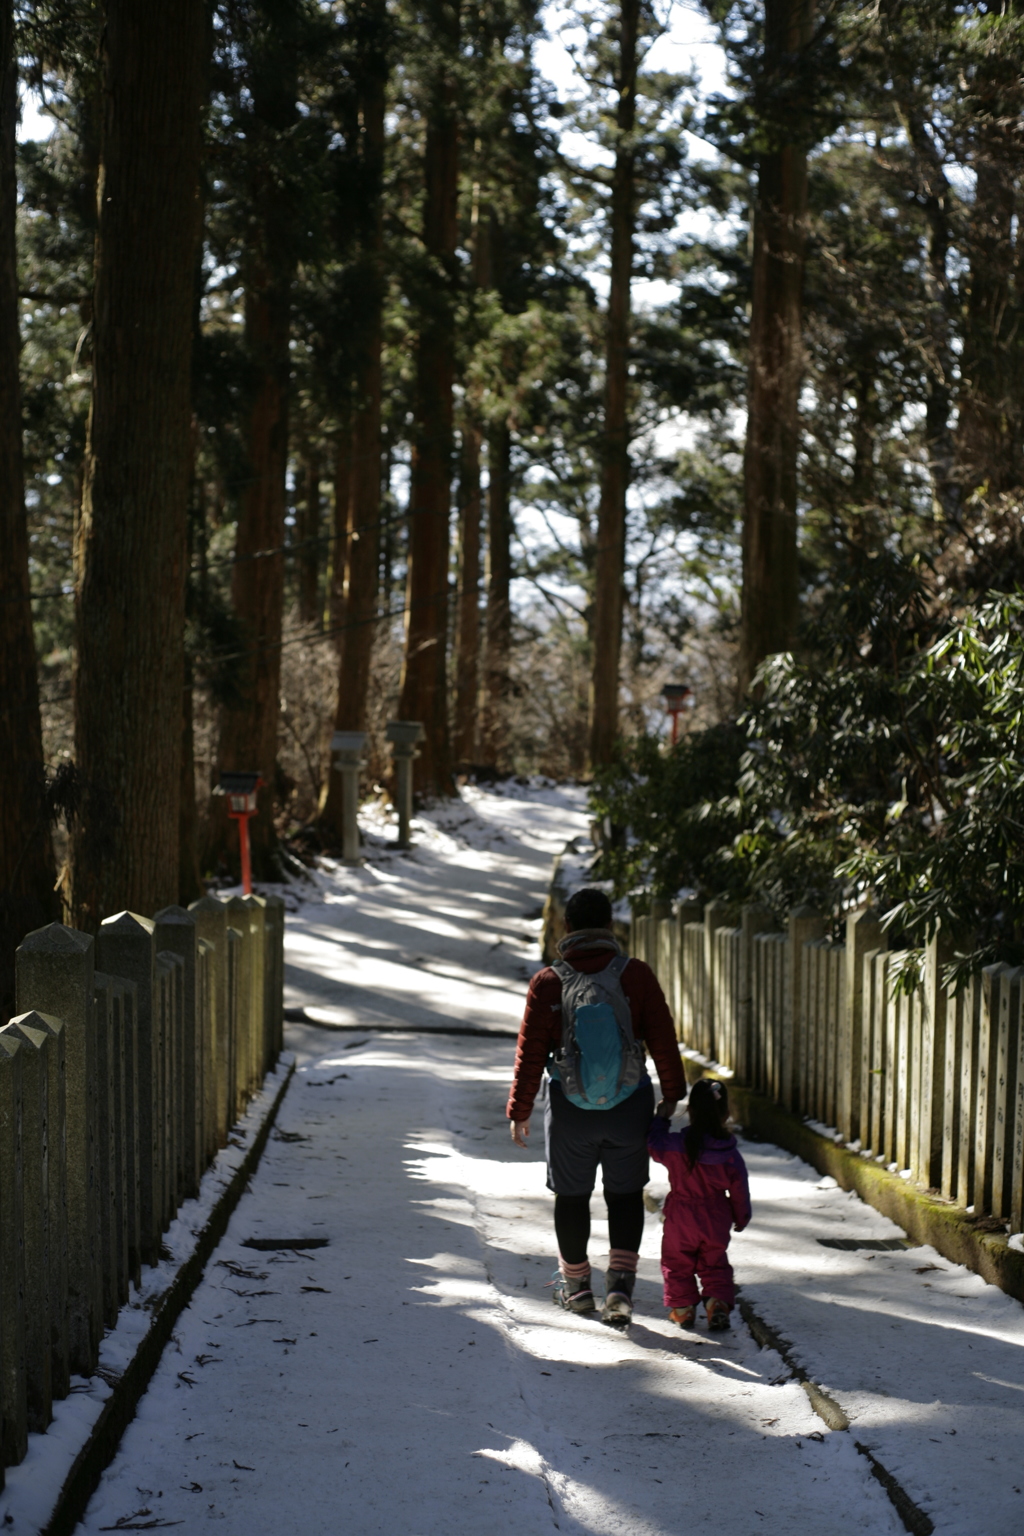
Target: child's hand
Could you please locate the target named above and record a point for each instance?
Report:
(666, 1109)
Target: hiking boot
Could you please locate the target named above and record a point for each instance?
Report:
(683, 1317)
(617, 1311)
(574, 1295)
(718, 1314)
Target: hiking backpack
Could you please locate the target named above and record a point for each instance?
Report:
(600, 1063)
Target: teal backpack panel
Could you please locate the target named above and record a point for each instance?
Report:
(600, 1063)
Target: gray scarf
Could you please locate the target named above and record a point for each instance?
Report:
(590, 939)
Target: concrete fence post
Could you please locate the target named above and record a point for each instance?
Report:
(35, 1231)
(863, 934)
(211, 919)
(124, 948)
(275, 910)
(57, 1212)
(716, 915)
(13, 1401)
(260, 1042)
(165, 980)
(55, 970)
(175, 932)
(237, 1003)
(109, 1066)
(935, 1032)
(805, 925)
(753, 919)
(239, 918)
(1007, 1047)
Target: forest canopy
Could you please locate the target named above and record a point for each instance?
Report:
(362, 364)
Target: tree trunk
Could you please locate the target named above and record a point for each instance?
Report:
(424, 692)
(131, 544)
(249, 730)
(769, 604)
(27, 897)
(988, 435)
(467, 635)
(308, 541)
(358, 627)
(338, 573)
(611, 526)
(498, 633)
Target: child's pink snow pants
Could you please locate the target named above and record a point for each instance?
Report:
(694, 1245)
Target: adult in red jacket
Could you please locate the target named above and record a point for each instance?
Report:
(578, 1141)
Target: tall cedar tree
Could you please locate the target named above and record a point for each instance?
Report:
(424, 671)
(360, 483)
(611, 523)
(249, 728)
(498, 613)
(769, 603)
(26, 854)
(132, 543)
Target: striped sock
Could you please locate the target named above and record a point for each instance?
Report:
(622, 1260)
(574, 1271)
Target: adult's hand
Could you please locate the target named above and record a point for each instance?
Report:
(520, 1132)
(666, 1108)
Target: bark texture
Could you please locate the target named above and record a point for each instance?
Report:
(498, 633)
(249, 731)
(357, 616)
(769, 604)
(467, 632)
(308, 539)
(27, 897)
(424, 692)
(606, 627)
(132, 545)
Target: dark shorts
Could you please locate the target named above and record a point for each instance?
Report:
(578, 1141)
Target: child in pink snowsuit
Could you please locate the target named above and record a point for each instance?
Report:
(709, 1196)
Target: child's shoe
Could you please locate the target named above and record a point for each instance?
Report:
(573, 1294)
(718, 1314)
(617, 1311)
(683, 1317)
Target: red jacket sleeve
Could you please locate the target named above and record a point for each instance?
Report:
(656, 1027)
(539, 1033)
(739, 1193)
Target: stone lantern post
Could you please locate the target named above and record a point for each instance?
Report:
(347, 751)
(403, 736)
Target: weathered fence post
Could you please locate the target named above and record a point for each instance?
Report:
(239, 918)
(55, 969)
(109, 1067)
(13, 1402)
(716, 915)
(753, 919)
(174, 932)
(863, 934)
(275, 910)
(35, 1230)
(805, 925)
(57, 1212)
(993, 981)
(124, 948)
(1007, 1047)
(934, 1033)
(211, 919)
(260, 1043)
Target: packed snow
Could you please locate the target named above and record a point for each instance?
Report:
(409, 1371)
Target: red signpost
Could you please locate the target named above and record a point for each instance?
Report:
(675, 696)
(240, 789)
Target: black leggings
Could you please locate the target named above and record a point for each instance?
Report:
(572, 1223)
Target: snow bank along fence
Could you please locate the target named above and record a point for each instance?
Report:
(132, 1056)
(929, 1083)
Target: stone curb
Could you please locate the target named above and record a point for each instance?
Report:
(831, 1414)
(925, 1219)
(118, 1411)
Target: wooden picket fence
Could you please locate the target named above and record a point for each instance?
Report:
(132, 1057)
(929, 1083)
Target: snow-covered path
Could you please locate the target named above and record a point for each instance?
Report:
(411, 1374)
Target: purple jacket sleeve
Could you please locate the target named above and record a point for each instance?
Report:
(739, 1193)
(661, 1140)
